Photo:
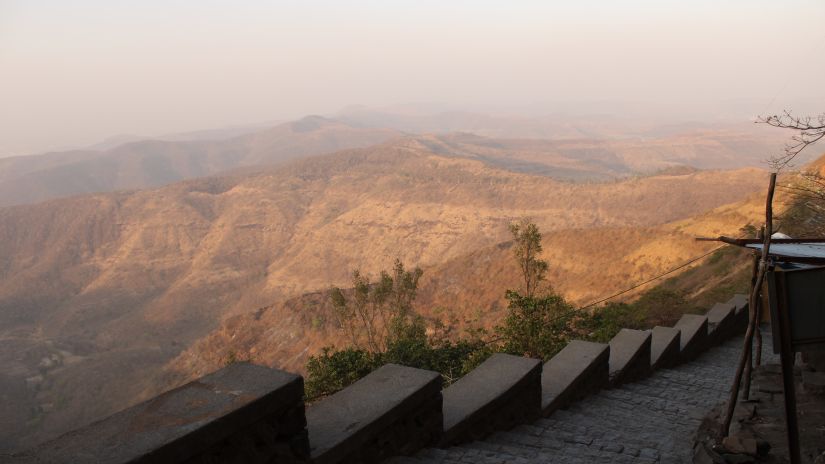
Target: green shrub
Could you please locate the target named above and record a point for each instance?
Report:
(334, 370)
(605, 322)
(331, 370)
(538, 327)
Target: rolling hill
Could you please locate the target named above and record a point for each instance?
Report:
(152, 163)
(578, 149)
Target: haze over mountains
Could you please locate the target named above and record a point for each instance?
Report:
(98, 292)
(151, 163)
(577, 149)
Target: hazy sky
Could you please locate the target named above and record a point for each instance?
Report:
(74, 72)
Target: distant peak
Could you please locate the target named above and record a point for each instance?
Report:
(310, 123)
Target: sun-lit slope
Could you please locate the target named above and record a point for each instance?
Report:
(293, 229)
(467, 291)
(464, 291)
(151, 163)
(581, 147)
(605, 158)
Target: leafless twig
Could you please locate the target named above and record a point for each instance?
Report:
(810, 130)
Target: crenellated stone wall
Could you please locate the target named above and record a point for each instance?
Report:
(252, 414)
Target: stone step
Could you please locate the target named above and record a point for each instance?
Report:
(652, 420)
(241, 413)
(502, 392)
(578, 370)
(629, 356)
(393, 410)
(694, 336)
(588, 440)
(664, 347)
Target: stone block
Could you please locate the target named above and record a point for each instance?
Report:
(578, 370)
(665, 347)
(721, 319)
(395, 410)
(502, 392)
(242, 413)
(694, 336)
(739, 302)
(741, 313)
(629, 356)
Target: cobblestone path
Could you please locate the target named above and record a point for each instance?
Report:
(653, 420)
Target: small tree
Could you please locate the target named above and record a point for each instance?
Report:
(527, 248)
(377, 314)
(383, 327)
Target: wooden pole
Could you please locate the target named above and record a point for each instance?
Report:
(760, 276)
(758, 347)
(758, 308)
(746, 387)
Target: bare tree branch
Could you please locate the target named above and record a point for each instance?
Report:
(811, 130)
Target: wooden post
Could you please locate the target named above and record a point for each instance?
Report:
(758, 308)
(760, 276)
(746, 387)
(758, 347)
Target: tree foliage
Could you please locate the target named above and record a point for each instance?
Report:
(527, 248)
(383, 327)
(378, 313)
(333, 370)
(538, 327)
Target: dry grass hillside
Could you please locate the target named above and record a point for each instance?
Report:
(620, 144)
(467, 292)
(98, 292)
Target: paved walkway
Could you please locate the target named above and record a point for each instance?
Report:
(653, 420)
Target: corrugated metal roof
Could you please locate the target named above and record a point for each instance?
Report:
(806, 251)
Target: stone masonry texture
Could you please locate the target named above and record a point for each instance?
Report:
(652, 420)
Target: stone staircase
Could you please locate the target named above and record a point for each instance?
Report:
(651, 420)
(638, 398)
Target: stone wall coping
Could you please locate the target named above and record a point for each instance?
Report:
(180, 423)
(342, 423)
(694, 336)
(665, 347)
(578, 369)
(629, 355)
(739, 301)
(361, 422)
(720, 313)
(721, 321)
(486, 389)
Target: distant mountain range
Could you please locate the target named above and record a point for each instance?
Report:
(576, 149)
(152, 163)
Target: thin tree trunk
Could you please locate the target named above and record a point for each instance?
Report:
(758, 347)
(760, 276)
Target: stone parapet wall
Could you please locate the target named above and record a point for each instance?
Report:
(241, 413)
(252, 414)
